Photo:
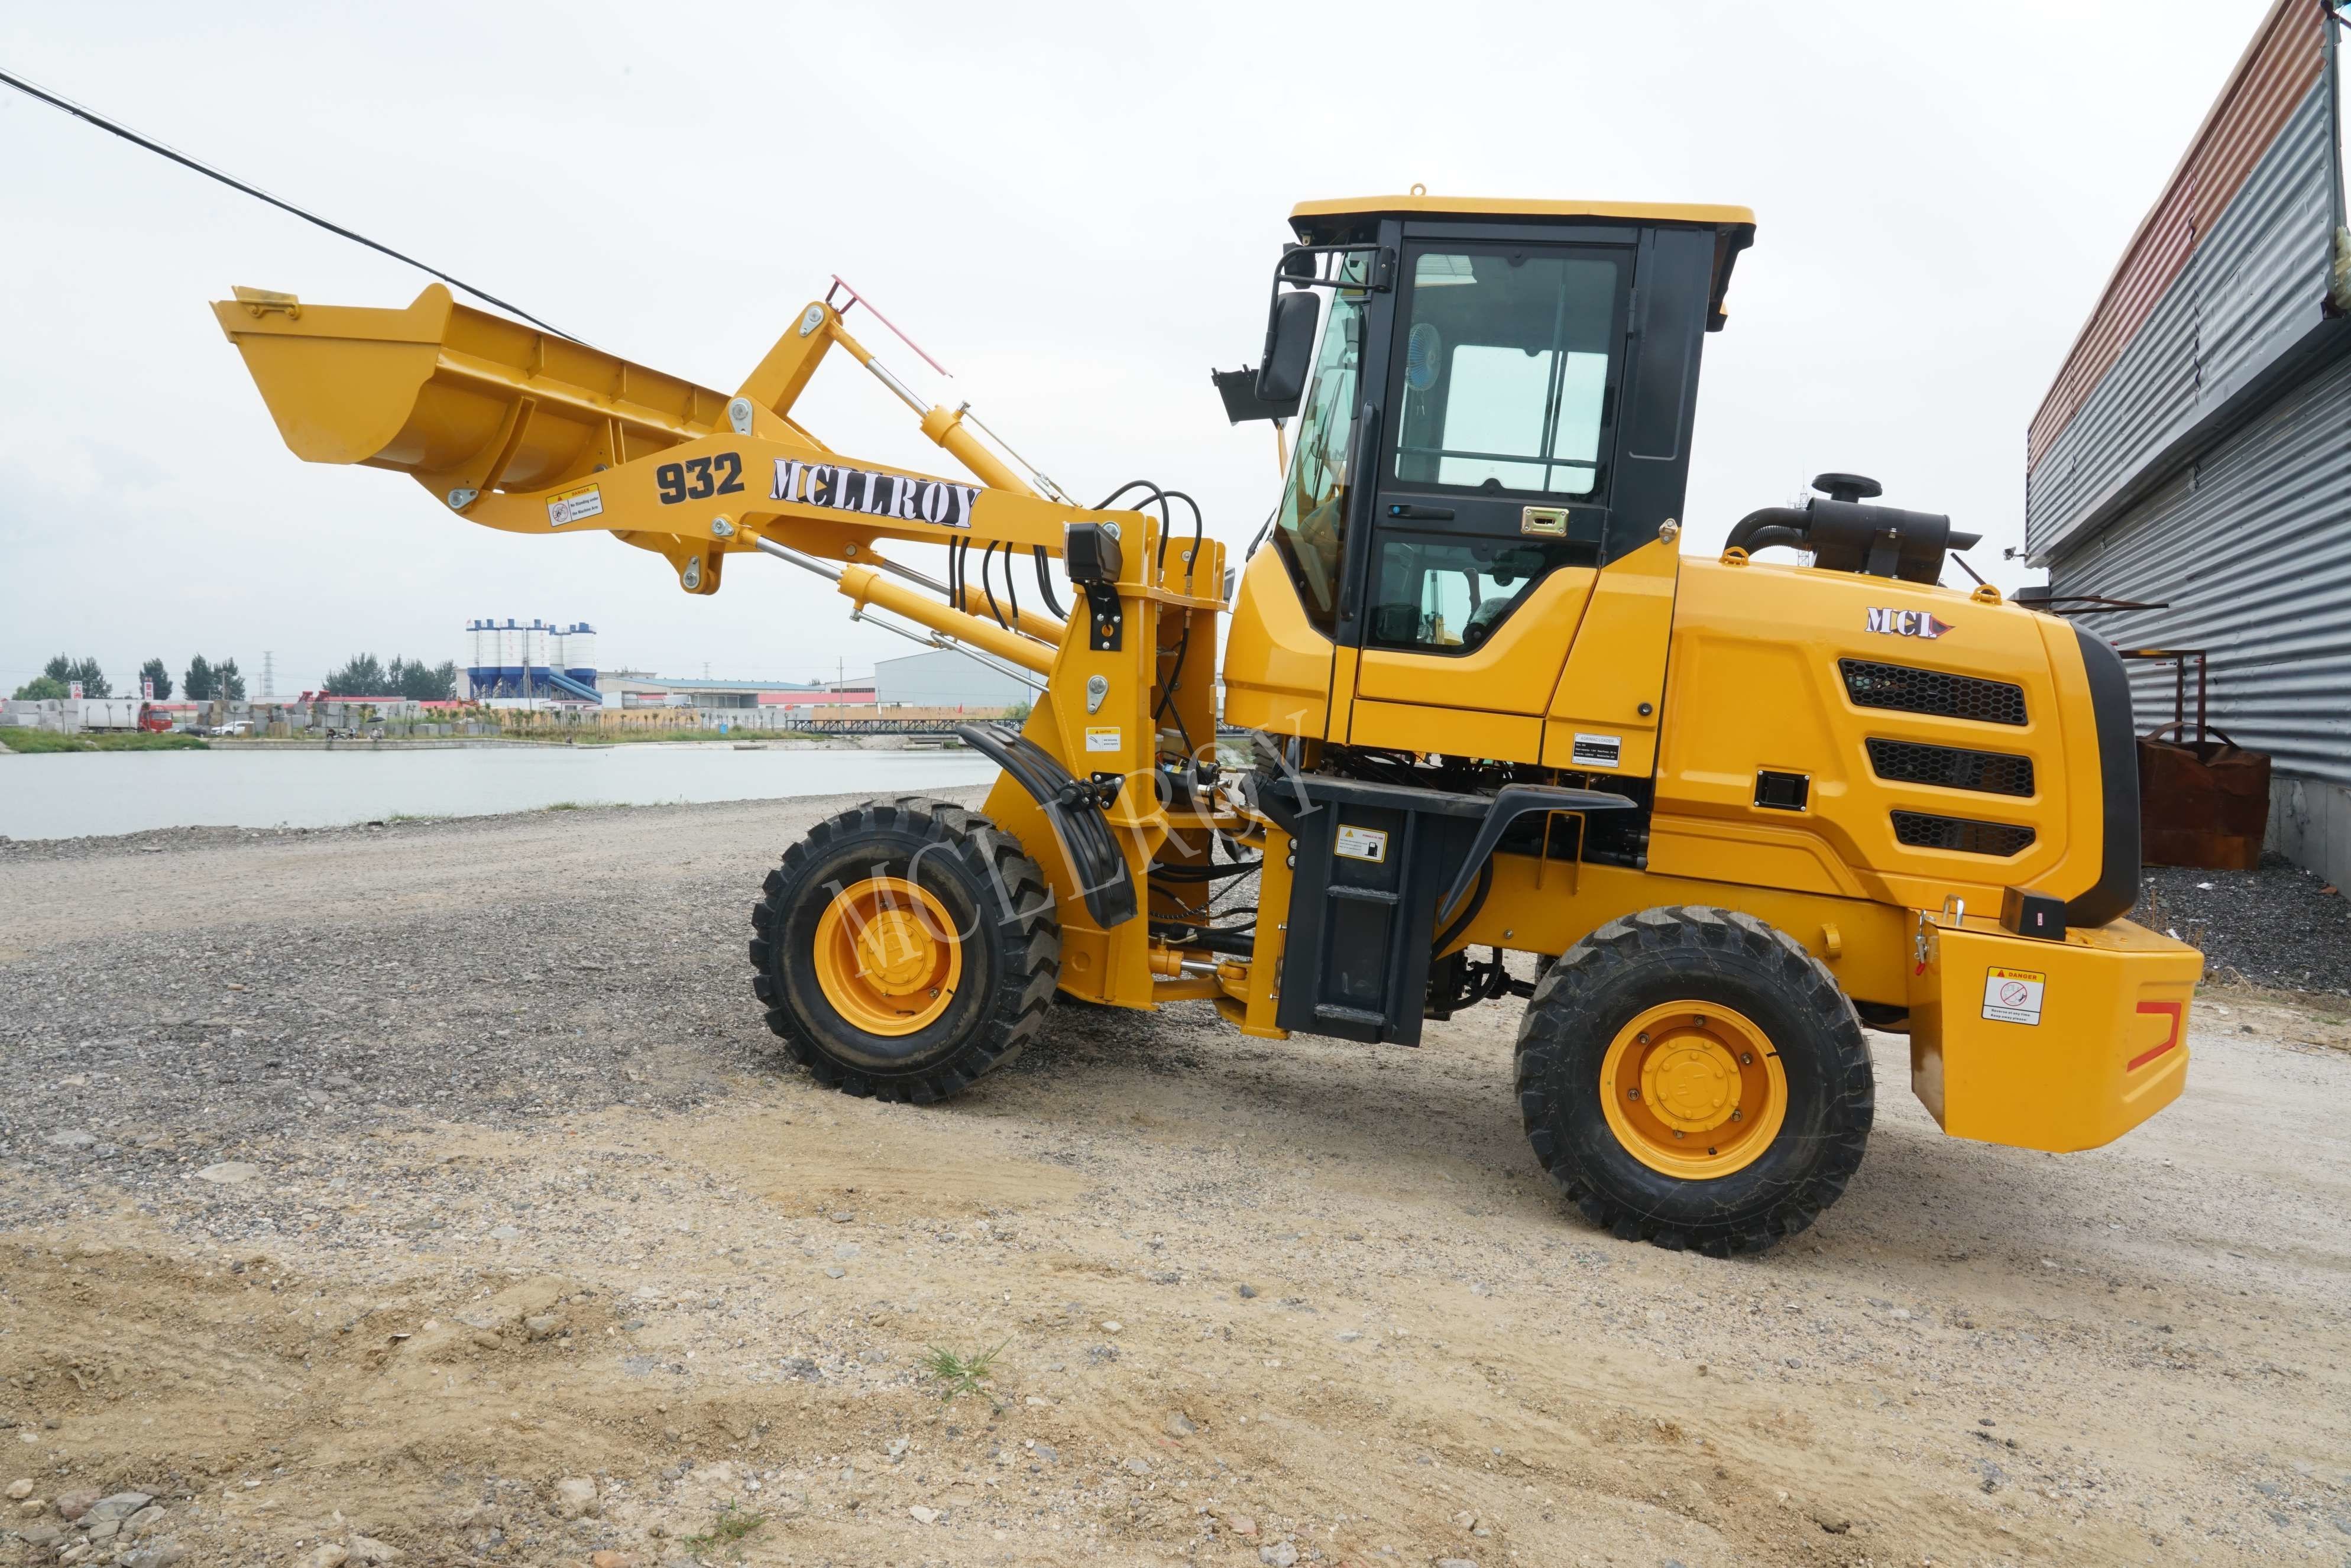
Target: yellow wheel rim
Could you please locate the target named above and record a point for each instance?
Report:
(1693, 1090)
(887, 957)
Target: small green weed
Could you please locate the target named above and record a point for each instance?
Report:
(728, 1529)
(961, 1373)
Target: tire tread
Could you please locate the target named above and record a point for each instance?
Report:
(1568, 993)
(1028, 928)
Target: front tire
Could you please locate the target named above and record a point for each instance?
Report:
(905, 948)
(1694, 1078)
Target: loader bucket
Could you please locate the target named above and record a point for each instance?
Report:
(457, 397)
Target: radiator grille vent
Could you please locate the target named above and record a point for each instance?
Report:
(1921, 831)
(1900, 687)
(1954, 767)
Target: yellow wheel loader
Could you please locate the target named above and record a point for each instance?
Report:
(1475, 702)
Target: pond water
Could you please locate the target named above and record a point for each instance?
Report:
(71, 794)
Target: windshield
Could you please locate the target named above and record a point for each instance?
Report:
(1312, 527)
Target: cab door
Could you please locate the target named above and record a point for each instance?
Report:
(1489, 511)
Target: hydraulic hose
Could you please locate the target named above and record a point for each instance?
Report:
(1045, 583)
(1206, 873)
(1195, 564)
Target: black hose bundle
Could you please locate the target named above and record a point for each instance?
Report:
(1184, 639)
(1045, 583)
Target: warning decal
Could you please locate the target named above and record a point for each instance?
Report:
(587, 501)
(2013, 995)
(1103, 738)
(1362, 844)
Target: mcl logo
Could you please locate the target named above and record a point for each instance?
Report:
(1906, 623)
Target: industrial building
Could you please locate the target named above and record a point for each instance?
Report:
(947, 680)
(633, 689)
(509, 662)
(2192, 460)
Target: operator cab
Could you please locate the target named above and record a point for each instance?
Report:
(1515, 382)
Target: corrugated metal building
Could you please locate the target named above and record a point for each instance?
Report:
(2195, 449)
(945, 679)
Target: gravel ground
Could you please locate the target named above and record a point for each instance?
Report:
(2280, 927)
(435, 1189)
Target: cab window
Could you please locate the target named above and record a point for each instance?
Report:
(1508, 365)
(1446, 596)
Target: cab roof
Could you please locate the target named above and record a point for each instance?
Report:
(1306, 215)
(1355, 219)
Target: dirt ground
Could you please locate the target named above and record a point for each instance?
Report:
(408, 1190)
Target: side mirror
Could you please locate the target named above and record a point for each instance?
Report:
(1289, 345)
(1239, 389)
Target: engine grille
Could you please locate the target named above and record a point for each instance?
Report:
(1952, 767)
(1922, 832)
(1906, 690)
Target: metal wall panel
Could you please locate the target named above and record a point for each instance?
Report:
(2250, 296)
(945, 679)
(2251, 545)
(2218, 296)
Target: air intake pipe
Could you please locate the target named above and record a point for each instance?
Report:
(1846, 534)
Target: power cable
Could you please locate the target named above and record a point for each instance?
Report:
(234, 183)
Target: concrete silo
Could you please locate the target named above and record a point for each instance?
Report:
(579, 654)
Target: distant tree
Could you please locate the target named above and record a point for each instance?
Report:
(153, 670)
(41, 689)
(361, 677)
(231, 684)
(198, 685)
(66, 671)
(422, 682)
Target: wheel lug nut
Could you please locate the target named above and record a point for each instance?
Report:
(1677, 1132)
(1645, 1039)
(1745, 1059)
(1735, 1116)
(1632, 1093)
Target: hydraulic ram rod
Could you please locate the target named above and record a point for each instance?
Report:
(865, 586)
(1031, 623)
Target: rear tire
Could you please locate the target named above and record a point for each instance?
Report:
(905, 948)
(1694, 1078)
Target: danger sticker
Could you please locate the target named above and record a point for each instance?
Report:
(572, 506)
(1599, 750)
(1103, 738)
(2013, 995)
(1363, 844)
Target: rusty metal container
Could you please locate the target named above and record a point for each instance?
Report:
(2201, 803)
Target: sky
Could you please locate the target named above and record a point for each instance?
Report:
(1075, 209)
